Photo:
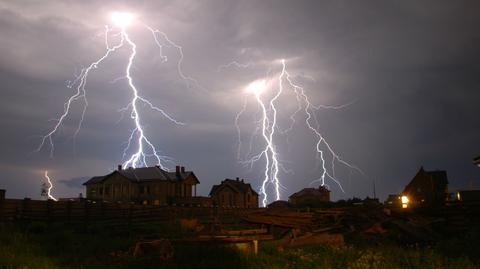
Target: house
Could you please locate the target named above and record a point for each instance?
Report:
(427, 188)
(234, 193)
(310, 197)
(146, 185)
(393, 200)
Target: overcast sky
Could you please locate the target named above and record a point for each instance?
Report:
(409, 71)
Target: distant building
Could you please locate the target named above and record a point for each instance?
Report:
(147, 185)
(279, 204)
(234, 193)
(393, 200)
(310, 197)
(427, 188)
(2, 194)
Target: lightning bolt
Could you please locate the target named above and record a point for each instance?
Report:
(269, 124)
(49, 187)
(141, 148)
(309, 112)
(139, 158)
(268, 127)
(235, 64)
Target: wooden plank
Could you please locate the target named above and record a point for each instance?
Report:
(244, 232)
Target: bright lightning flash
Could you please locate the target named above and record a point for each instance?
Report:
(122, 19)
(145, 149)
(49, 187)
(269, 119)
(268, 125)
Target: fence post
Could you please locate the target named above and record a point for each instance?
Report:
(24, 209)
(49, 211)
(2, 202)
(102, 211)
(87, 213)
(68, 206)
(129, 221)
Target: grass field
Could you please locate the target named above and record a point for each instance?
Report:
(38, 246)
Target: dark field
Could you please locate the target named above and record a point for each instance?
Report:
(37, 245)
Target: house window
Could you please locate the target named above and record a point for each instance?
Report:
(100, 190)
(142, 189)
(107, 190)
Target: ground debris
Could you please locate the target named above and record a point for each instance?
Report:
(160, 248)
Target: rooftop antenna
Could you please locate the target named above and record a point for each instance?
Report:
(374, 191)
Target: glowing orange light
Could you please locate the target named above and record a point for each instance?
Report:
(405, 201)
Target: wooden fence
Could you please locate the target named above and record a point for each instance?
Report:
(112, 213)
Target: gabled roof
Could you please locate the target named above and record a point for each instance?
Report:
(236, 185)
(146, 174)
(311, 192)
(438, 178)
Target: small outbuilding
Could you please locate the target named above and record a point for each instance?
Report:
(310, 197)
(234, 193)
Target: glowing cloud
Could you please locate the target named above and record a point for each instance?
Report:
(122, 19)
(256, 87)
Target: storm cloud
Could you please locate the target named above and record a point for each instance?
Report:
(410, 70)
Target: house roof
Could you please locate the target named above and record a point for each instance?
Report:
(146, 174)
(279, 204)
(438, 178)
(311, 192)
(236, 185)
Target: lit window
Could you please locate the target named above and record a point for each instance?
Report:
(405, 201)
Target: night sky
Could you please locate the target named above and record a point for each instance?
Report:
(409, 70)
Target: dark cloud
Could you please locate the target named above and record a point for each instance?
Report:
(76, 182)
(412, 69)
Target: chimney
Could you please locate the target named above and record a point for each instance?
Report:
(119, 167)
(183, 169)
(177, 169)
(2, 194)
(238, 179)
(242, 181)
